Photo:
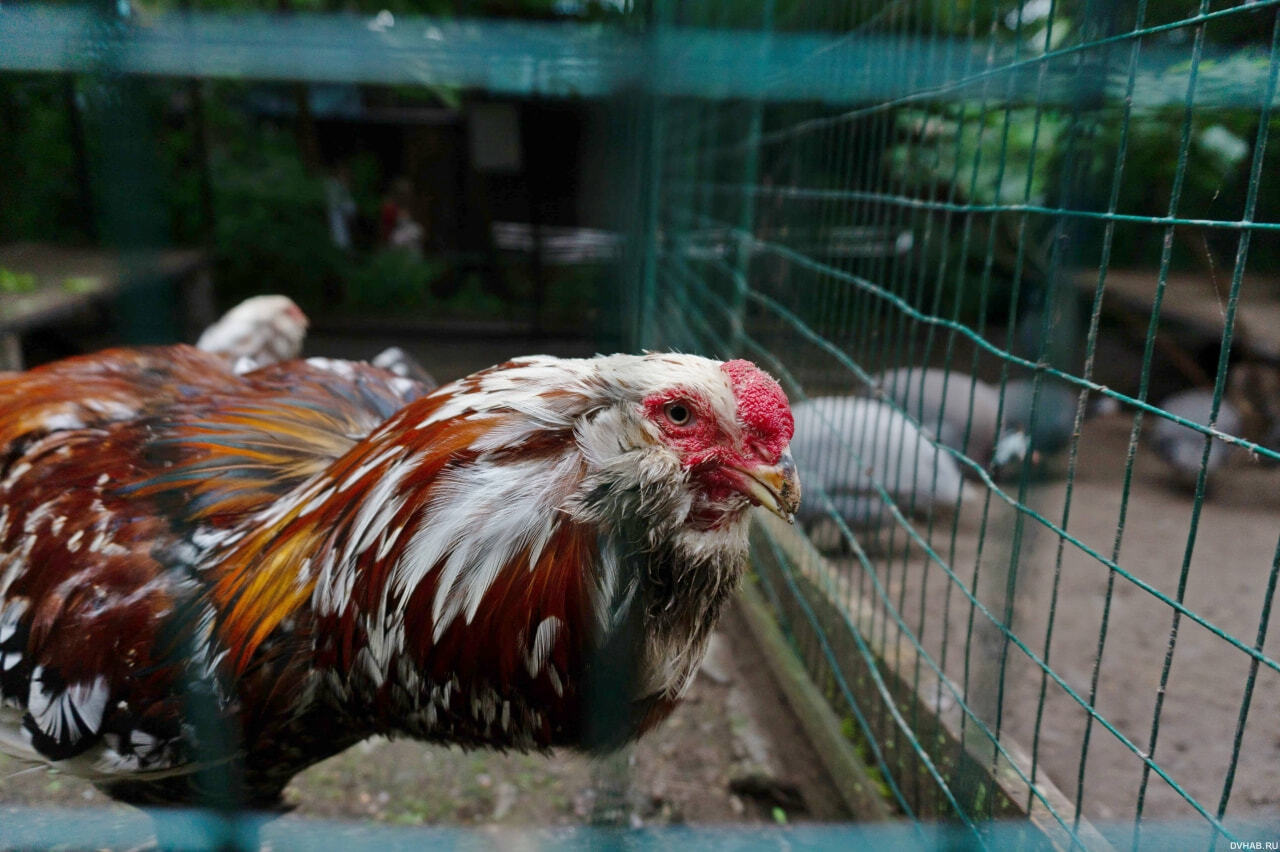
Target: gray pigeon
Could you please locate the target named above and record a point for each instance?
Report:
(1025, 431)
(948, 402)
(844, 445)
(1182, 447)
(928, 393)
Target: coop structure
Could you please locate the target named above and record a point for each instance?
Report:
(1067, 197)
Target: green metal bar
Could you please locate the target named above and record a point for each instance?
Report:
(1143, 384)
(653, 127)
(1015, 546)
(750, 173)
(1090, 351)
(953, 190)
(961, 286)
(1038, 209)
(1220, 381)
(1259, 148)
(1264, 621)
(555, 59)
(882, 688)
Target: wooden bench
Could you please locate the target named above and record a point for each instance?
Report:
(69, 279)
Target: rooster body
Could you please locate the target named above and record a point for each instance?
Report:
(316, 552)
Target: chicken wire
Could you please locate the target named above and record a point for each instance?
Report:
(835, 191)
(965, 218)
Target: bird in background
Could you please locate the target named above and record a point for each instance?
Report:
(259, 331)
(1254, 391)
(1181, 447)
(848, 448)
(203, 572)
(959, 409)
(967, 415)
(1038, 420)
(265, 330)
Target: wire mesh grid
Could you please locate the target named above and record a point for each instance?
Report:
(1006, 220)
(1039, 197)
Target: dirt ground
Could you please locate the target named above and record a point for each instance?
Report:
(1226, 583)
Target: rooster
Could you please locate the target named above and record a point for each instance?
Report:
(315, 552)
(259, 331)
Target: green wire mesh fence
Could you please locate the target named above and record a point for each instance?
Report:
(1028, 244)
(985, 244)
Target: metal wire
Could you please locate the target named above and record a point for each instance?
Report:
(839, 190)
(778, 285)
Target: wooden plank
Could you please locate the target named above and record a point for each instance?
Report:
(848, 774)
(68, 278)
(1198, 302)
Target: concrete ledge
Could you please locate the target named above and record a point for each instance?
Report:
(848, 774)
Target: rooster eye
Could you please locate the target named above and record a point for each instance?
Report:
(679, 413)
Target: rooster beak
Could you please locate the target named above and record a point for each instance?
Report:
(775, 487)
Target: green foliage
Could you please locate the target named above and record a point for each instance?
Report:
(1000, 158)
(960, 17)
(271, 233)
(37, 164)
(573, 294)
(1214, 181)
(475, 301)
(992, 156)
(270, 229)
(850, 731)
(389, 280)
(16, 282)
(80, 284)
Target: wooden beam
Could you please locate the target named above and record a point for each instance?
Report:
(849, 775)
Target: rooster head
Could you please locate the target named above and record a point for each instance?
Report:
(727, 427)
(688, 442)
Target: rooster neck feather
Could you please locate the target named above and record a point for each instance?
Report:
(488, 528)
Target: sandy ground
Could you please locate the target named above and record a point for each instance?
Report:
(1226, 583)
